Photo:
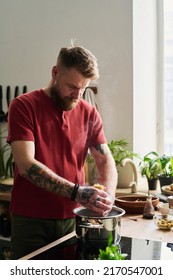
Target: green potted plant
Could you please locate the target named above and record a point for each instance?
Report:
(150, 168)
(6, 164)
(120, 152)
(166, 174)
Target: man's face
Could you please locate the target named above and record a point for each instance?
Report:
(68, 88)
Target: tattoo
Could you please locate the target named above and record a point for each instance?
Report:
(86, 195)
(40, 177)
(100, 149)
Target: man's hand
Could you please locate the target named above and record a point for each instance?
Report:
(96, 200)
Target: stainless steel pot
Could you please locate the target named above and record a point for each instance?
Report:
(95, 230)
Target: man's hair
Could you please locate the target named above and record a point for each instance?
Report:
(81, 59)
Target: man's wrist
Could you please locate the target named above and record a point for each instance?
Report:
(74, 192)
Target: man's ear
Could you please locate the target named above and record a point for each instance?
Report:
(55, 70)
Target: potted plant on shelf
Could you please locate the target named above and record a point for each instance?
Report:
(150, 168)
(6, 165)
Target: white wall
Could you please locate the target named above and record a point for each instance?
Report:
(33, 31)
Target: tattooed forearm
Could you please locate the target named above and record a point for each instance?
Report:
(40, 176)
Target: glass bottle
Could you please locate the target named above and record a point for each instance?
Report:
(148, 211)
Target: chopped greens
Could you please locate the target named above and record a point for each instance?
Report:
(111, 252)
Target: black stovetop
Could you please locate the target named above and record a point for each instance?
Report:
(136, 249)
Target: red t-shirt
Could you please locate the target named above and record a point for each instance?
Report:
(62, 139)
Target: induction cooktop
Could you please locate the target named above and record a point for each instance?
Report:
(136, 249)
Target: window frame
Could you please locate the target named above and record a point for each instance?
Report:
(160, 77)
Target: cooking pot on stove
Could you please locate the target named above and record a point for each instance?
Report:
(95, 230)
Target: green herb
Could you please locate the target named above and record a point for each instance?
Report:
(119, 150)
(111, 252)
(6, 161)
(6, 157)
(150, 166)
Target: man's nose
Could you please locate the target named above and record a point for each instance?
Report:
(77, 93)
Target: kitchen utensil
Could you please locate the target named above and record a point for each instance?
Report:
(163, 208)
(24, 89)
(134, 203)
(16, 91)
(148, 212)
(95, 230)
(170, 201)
(2, 113)
(8, 94)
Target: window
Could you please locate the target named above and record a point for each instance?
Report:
(168, 76)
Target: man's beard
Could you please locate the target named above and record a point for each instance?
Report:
(67, 103)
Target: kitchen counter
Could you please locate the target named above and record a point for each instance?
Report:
(73, 249)
(133, 227)
(136, 227)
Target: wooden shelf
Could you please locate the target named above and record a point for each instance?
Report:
(5, 196)
(5, 238)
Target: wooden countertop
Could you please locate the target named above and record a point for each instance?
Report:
(131, 226)
(5, 196)
(137, 227)
(49, 246)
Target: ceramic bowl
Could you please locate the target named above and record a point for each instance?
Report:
(164, 222)
(134, 203)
